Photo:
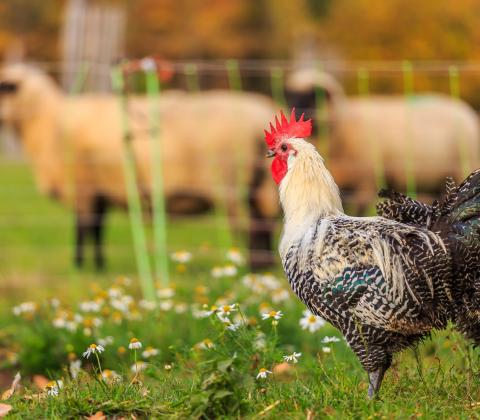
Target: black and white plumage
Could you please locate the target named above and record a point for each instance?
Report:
(457, 218)
(384, 282)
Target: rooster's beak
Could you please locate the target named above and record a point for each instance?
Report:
(270, 153)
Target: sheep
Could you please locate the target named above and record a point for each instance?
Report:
(74, 144)
(436, 134)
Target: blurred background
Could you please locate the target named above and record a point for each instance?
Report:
(89, 87)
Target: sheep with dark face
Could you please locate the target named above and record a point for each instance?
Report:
(75, 147)
(431, 134)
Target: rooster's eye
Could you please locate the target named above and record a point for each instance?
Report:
(284, 147)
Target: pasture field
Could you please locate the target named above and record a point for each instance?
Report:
(199, 366)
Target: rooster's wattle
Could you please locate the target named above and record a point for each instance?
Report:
(384, 282)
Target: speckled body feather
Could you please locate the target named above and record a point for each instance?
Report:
(380, 282)
(457, 220)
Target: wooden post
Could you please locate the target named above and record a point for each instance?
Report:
(92, 33)
(363, 83)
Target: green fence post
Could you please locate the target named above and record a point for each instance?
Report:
(235, 84)
(158, 195)
(191, 72)
(277, 86)
(69, 151)
(133, 196)
(363, 85)
(234, 78)
(454, 83)
(322, 117)
(407, 69)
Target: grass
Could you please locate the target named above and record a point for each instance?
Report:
(203, 382)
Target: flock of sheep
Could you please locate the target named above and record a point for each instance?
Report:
(212, 147)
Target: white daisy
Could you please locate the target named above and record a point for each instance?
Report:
(272, 314)
(280, 295)
(90, 306)
(263, 373)
(270, 281)
(213, 310)
(328, 340)
(199, 313)
(148, 305)
(25, 307)
(139, 366)
(115, 292)
(326, 349)
(166, 293)
(134, 344)
(75, 368)
(292, 357)
(92, 349)
(104, 342)
(53, 388)
(166, 305)
(181, 257)
(230, 271)
(260, 341)
(205, 344)
(150, 352)
(226, 310)
(311, 322)
(231, 326)
(235, 256)
(217, 272)
(181, 308)
(110, 376)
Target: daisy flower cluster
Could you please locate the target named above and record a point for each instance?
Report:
(110, 316)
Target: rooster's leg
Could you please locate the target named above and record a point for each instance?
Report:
(375, 380)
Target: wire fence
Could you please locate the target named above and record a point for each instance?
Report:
(151, 78)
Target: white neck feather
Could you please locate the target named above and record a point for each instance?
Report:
(307, 192)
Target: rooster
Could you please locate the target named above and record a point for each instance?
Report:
(384, 282)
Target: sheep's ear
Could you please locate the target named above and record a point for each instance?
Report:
(8, 87)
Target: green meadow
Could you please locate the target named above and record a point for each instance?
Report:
(207, 341)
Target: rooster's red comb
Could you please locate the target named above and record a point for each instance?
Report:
(288, 129)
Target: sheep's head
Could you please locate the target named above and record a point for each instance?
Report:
(24, 92)
(280, 142)
(9, 87)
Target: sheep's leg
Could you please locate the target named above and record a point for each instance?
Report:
(100, 207)
(260, 243)
(81, 233)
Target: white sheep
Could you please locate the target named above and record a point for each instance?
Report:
(75, 146)
(428, 136)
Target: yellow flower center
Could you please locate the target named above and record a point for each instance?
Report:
(262, 370)
(227, 308)
(312, 319)
(93, 346)
(133, 340)
(272, 313)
